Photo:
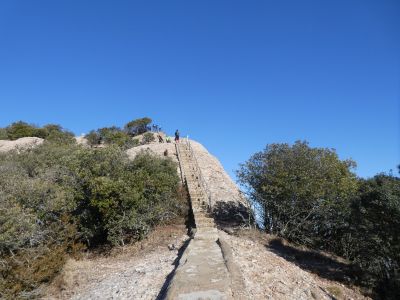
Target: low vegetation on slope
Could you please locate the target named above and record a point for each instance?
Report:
(123, 138)
(51, 132)
(311, 197)
(59, 198)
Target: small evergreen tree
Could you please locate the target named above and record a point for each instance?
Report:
(22, 129)
(93, 138)
(301, 189)
(138, 126)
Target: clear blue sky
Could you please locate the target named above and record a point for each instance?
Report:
(234, 75)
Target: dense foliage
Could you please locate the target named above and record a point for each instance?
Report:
(374, 234)
(57, 198)
(3, 134)
(52, 132)
(138, 126)
(111, 136)
(311, 197)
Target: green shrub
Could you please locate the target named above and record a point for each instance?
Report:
(138, 126)
(56, 134)
(21, 129)
(374, 234)
(135, 142)
(51, 132)
(93, 138)
(3, 134)
(57, 196)
(301, 189)
(311, 197)
(148, 137)
(110, 136)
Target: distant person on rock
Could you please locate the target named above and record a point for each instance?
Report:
(177, 136)
(160, 139)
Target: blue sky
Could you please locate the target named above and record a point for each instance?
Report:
(234, 75)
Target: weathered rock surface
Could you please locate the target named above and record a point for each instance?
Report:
(156, 148)
(228, 203)
(20, 144)
(202, 273)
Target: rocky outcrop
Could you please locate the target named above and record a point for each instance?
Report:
(229, 205)
(20, 144)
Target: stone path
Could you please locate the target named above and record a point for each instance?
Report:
(202, 272)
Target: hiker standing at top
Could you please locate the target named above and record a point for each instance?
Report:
(177, 136)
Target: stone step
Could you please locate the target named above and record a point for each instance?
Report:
(193, 183)
(204, 223)
(203, 217)
(199, 199)
(197, 193)
(196, 209)
(206, 233)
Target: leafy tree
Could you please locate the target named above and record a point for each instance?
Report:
(110, 136)
(21, 129)
(51, 132)
(311, 197)
(138, 126)
(115, 136)
(55, 133)
(375, 234)
(301, 189)
(93, 138)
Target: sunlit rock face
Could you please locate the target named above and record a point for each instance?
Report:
(20, 144)
(229, 205)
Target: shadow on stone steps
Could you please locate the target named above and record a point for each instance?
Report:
(163, 292)
(232, 214)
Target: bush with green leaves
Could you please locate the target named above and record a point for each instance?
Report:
(55, 133)
(311, 197)
(300, 190)
(3, 134)
(57, 197)
(148, 137)
(21, 129)
(50, 132)
(374, 234)
(138, 126)
(110, 136)
(93, 138)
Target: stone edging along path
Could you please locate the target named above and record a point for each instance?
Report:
(206, 269)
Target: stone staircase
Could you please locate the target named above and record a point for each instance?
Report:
(202, 272)
(197, 188)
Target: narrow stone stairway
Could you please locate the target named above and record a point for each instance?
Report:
(202, 272)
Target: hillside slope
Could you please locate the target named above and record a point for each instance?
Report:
(140, 271)
(229, 205)
(20, 144)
